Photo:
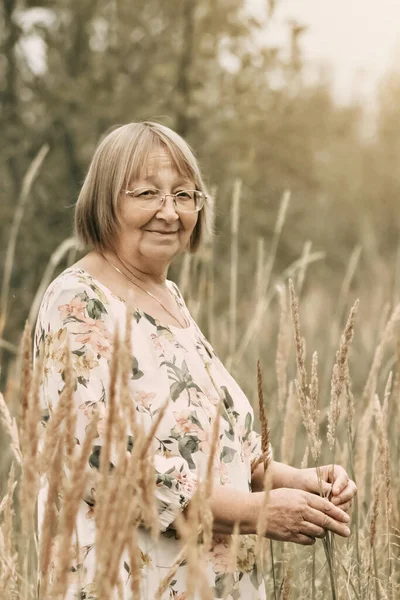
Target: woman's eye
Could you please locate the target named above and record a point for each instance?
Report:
(146, 193)
(184, 194)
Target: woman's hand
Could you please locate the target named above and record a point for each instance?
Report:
(300, 517)
(335, 483)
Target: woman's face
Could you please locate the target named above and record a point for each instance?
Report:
(161, 234)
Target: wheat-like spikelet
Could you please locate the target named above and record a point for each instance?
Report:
(290, 423)
(30, 460)
(26, 380)
(299, 343)
(69, 509)
(207, 485)
(8, 551)
(10, 425)
(105, 454)
(283, 348)
(339, 378)
(287, 581)
(262, 521)
(387, 335)
(48, 529)
(265, 443)
(70, 416)
(232, 561)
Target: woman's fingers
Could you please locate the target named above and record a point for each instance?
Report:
(346, 495)
(304, 540)
(312, 530)
(346, 506)
(327, 522)
(328, 508)
(339, 478)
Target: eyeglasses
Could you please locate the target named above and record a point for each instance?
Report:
(153, 199)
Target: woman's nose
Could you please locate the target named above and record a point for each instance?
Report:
(167, 210)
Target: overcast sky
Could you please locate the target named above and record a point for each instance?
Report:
(359, 38)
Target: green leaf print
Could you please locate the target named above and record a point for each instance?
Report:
(176, 389)
(181, 378)
(221, 583)
(136, 372)
(95, 308)
(247, 426)
(227, 454)
(187, 446)
(227, 397)
(83, 296)
(164, 479)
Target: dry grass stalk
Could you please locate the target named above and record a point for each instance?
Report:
(387, 335)
(290, 423)
(206, 516)
(339, 378)
(29, 485)
(234, 268)
(10, 425)
(232, 562)
(280, 221)
(181, 557)
(265, 443)
(262, 521)
(377, 486)
(72, 496)
(299, 342)
(8, 551)
(55, 259)
(105, 455)
(26, 346)
(303, 263)
(283, 348)
(48, 528)
(286, 591)
(27, 183)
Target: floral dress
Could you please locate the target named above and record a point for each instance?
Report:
(167, 360)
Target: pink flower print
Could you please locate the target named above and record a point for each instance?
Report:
(221, 471)
(205, 441)
(157, 343)
(246, 444)
(144, 399)
(76, 308)
(220, 557)
(92, 408)
(186, 486)
(84, 364)
(246, 557)
(96, 335)
(183, 423)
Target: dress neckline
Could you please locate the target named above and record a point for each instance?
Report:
(107, 290)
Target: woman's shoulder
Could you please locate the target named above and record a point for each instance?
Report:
(76, 289)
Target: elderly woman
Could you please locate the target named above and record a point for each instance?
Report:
(143, 203)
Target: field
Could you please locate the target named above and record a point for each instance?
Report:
(329, 384)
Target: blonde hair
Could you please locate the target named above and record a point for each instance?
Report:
(121, 156)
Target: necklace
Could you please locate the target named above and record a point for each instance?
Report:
(185, 322)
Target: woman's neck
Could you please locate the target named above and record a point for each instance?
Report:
(150, 276)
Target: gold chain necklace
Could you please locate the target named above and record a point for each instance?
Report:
(186, 321)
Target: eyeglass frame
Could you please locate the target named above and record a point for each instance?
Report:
(173, 196)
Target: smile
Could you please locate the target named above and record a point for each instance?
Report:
(162, 232)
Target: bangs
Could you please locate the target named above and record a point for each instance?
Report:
(151, 141)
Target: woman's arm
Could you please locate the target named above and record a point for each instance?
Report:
(333, 481)
(292, 515)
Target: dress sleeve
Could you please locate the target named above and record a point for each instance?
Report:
(80, 317)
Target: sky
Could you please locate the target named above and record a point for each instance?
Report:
(360, 39)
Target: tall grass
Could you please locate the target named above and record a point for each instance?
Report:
(351, 417)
